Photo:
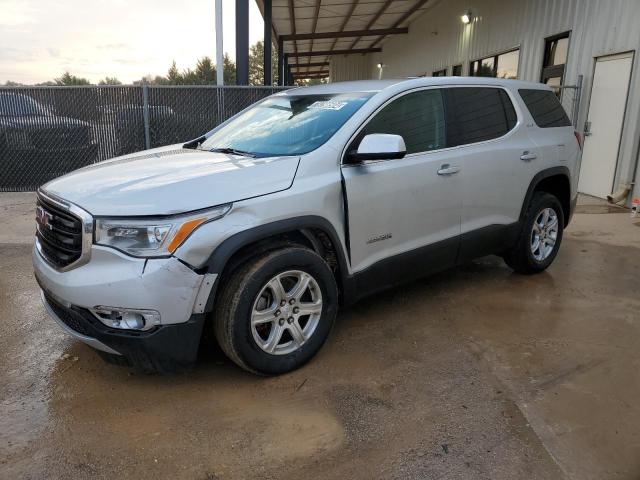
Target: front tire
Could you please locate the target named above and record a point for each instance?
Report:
(276, 311)
(540, 237)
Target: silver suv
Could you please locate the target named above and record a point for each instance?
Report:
(309, 199)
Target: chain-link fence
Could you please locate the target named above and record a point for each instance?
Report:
(48, 131)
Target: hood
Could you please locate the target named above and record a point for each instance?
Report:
(170, 180)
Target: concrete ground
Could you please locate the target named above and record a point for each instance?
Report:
(473, 373)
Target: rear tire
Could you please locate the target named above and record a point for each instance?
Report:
(276, 311)
(540, 236)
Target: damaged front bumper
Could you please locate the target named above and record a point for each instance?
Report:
(164, 285)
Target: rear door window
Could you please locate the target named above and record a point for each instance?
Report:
(545, 108)
(476, 114)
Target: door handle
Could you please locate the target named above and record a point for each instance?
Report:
(527, 156)
(447, 169)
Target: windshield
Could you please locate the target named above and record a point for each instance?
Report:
(17, 105)
(286, 125)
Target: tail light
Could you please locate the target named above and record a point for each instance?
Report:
(578, 138)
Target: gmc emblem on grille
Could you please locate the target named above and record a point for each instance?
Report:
(44, 218)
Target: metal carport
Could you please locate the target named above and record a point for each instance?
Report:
(309, 32)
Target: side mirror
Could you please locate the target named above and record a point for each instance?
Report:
(380, 146)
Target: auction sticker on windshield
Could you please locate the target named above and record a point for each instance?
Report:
(328, 105)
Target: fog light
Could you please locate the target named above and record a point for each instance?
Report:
(127, 318)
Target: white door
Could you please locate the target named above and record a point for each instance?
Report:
(606, 117)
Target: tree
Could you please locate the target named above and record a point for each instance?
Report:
(173, 75)
(151, 80)
(68, 79)
(256, 64)
(205, 71)
(9, 83)
(307, 82)
(229, 70)
(109, 81)
(485, 71)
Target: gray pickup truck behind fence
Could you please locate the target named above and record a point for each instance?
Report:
(48, 131)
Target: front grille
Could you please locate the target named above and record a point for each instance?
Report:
(59, 234)
(70, 318)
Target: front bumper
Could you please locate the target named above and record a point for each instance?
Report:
(113, 279)
(167, 348)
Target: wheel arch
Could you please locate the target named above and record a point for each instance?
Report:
(314, 232)
(556, 181)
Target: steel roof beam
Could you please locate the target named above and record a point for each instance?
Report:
(345, 34)
(403, 18)
(338, 52)
(306, 74)
(310, 64)
(374, 20)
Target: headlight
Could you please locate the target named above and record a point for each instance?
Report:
(152, 237)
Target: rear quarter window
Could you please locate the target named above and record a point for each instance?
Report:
(545, 108)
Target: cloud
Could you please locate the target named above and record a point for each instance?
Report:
(123, 38)
(16, 14)
(112, 46)
(17, 55)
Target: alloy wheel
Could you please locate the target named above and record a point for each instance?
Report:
(286, 312)
(544, 234)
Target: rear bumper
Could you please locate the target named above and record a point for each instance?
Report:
(166, 348)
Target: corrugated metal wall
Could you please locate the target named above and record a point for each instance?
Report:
(348, 67)
(438, 39)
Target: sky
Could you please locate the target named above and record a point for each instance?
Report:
(127, 39)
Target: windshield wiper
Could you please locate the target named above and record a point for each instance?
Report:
(233, 151)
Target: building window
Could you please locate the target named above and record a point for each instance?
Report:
(503, 65)
(440, 73)
(555, 58)
(456, 71)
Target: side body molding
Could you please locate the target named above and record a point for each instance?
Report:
(390, 271)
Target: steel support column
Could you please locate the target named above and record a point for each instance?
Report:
(285, 69)
(267, 42)
(290, 80)
(242, 42)
(219, 47)
(280, 61)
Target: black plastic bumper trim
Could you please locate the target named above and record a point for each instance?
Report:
(167, 348)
